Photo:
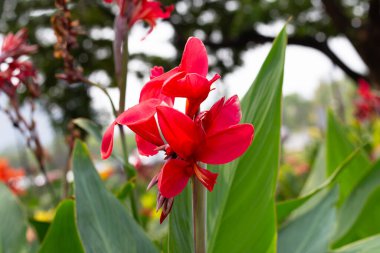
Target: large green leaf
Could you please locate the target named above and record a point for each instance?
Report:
(311, 231)
(286, 207)
(368, 245)
(103, 223)
(62, 236)
(246, 212)
(338, 147)
(12, 223)
(359, 215)
(180, 223)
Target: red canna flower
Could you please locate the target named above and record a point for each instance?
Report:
(149, 11)
(215, 137)
(368, 102)
(11, 176)
(14, 70)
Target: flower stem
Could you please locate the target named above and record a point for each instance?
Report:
(199, 216)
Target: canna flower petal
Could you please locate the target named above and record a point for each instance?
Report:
(194, 58)
(140, 119)
(107, 142)
(227, 145)
(207, 178)
(222, 115)
(173, 177)
(145, 147)
(180, 132)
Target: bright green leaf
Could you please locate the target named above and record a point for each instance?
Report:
(103, 223)
(311, 231)
(62, 236)
(12, 222)
(246, 211)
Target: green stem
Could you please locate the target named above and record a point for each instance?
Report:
(130, 173)
(199, 216)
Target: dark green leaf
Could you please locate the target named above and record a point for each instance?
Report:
(41, 227)
(62, 236)
(103, 223)
(245, 211)
(12, 223)
(90, 127)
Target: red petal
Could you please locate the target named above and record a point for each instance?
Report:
(222, 115)
(164, 214)
(194, 58)
(174, 176)
(206, 177)
(227, 145)
(140, 119)
(107, 142)
(180, 132)
(189, 86)
(145, 147)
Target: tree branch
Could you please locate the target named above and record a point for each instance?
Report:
(253, 37)
(335, 11)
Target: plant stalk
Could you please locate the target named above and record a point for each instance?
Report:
(199, 216)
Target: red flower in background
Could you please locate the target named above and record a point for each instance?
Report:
(15, 71)
(148, 11)
(368, 102)
(11, 176)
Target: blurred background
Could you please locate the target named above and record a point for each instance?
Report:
(332, 45)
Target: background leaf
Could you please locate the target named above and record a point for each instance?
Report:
(368, 245)
(90, 127)
(338, 147)
(103, 223)
(62, 236)
(12, 223)
(246, 221)
(310, 232)
(180, 223)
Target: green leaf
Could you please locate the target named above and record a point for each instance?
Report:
(62, 235)
(311, 231)
(103, 223)
(246, 210)
(180, 223)
(90, 127)
(286, 207)
(12, 223)
(368, 245)
(41, 228)
(338, 147)
(318, 172)
(358, 217)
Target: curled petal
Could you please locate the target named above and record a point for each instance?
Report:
(222, 115)
(144, 147)
(107, 142)
(167, 209)
(194, 58)
(174, 176)
(227, 145)
(180, 132)
(140, 119)
(206, 177)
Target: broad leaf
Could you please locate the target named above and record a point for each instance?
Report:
(286, 207)
(245, 211)
(12, 223)
(103, 223)
(62, 236)
(338, 147)
(180, 223)
(318, 172)
(368, 245)
(359, 215)
(311, 231)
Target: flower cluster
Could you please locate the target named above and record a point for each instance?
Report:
(368, 103)
(15, 71)
(146, 10)
(66, 30)
(11, 176)
(191, 139)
